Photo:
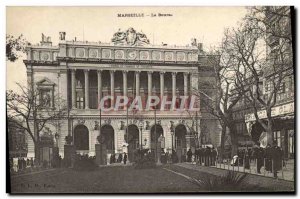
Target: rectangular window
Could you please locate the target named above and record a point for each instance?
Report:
(79, 100)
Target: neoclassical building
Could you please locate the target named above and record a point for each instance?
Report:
(82, 72)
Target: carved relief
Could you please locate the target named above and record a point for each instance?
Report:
(180, 56)
(119, 54)
(144, 55)
(45, 56)
(36, 55)
(156, 55)
(93, 53)
(131, 54)
(79, 52)
(169, 56)
(106, 53)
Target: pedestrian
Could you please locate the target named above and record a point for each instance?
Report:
(246, 159)
(277, 157)
(119, 160)
(125, 158)
(201, 155)
(214, 154)
(268, 158)
(189, 155)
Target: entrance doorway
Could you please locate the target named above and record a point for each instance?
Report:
(133, 141)
(81, 137)
(154, 138)
(108, 134)
(180, 142)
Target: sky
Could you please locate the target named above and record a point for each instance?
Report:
(206, 24)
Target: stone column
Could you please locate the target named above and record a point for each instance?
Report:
(99, 86)
(162, 84)
(174, 84)
(125, 83)
(185, 84)
(86, 89)
(137, 80)
(112, 87)
(73, 85)
(149, 83)
(185, 87)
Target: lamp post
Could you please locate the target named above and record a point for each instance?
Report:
(141, 125)
(56, 136)
(172, 133)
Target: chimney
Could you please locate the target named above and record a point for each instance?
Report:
(200, 47)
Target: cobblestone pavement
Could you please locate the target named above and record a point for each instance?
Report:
(260, 180)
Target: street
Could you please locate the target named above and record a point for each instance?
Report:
(103, 180)
(124, 179)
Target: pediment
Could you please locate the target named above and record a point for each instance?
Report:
(45, 82)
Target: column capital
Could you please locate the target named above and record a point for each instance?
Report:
(86, 70)
(149, 72)
(73, 70)
(174, 74)
(125, 71)
(112, 71)
(99, 71)
(162, 72)
(138, 72)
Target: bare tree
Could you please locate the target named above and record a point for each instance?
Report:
(265, 56)
(217, 97)
(33, 113)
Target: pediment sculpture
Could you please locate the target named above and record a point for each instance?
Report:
(130, 37)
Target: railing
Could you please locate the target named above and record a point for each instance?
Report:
(282, 169)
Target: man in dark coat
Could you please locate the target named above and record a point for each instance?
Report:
(268, 158)
(189, 155)
(277, 157)
(247, 159)
(214, 154)
(125, 158)
(258, 155)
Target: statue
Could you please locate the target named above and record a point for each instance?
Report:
(122, 127)
(147, 125)
(129, 37)
(62, 36)
(46, 99)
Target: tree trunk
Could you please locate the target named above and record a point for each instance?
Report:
(270, 135)
(234, 140)
(37, 152)
(221, 154)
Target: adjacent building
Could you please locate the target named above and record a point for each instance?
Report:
(82, 72)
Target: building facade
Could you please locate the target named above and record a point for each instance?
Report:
(280, 70)
(82, 72)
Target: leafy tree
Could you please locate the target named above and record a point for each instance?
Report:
(14, 46)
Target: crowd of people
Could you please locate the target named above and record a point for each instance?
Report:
(21, 163)
(271, 158)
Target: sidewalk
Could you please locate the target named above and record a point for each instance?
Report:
(260, 180)
(287, 173)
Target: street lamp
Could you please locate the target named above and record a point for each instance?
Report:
(172, 133)
(141, 125)
(56, 135)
